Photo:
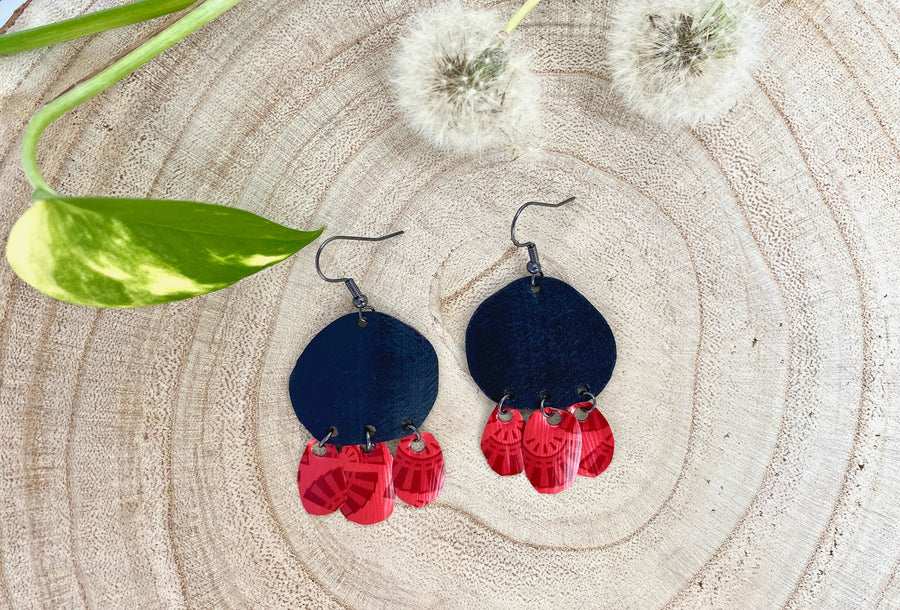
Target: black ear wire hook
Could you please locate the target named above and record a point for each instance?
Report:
(534, 264)
(360, 301)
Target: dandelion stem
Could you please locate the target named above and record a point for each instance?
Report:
(519, 16)
(92, 23)
(98, 83)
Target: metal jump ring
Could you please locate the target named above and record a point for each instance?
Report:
(543, 412)
(332, 432)
(407, 425)
(553, 418)
(417, 445)
(369, 444)
(593, 401)
(500, 409)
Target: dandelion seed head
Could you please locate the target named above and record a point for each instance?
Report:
(460, 86)
(683, 60)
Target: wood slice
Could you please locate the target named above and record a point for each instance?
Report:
(748, 270)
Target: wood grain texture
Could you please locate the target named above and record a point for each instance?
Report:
(748, 270)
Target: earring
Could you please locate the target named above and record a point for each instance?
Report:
(368, 378)
(539, 342)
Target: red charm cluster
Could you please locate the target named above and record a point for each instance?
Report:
(364, 484)
(551, 448)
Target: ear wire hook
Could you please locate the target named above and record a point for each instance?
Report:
(360, 301)
(534, 264)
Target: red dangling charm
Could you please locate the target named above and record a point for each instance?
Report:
(501, 441)
(418, 469)
(552, 448)
(597, 442)
(320, 478)
(370, 491)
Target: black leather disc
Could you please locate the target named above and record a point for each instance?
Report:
(548, 342)
(351, 377)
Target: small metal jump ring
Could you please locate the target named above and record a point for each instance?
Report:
(500, 409)
(543, 412)
(331, 433)
(407, 425)
(417, 445)
(553, 418)
(369, 444)
(584, 392)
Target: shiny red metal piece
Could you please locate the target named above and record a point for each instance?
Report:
(597, 442)
(418, 475)
(370, 491)
(320, 480)
(501, 442)
(551, 451)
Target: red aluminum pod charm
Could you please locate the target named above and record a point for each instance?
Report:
(597, 442)
(370, 490)
(418, 469)
(501, 441)
(320, 479)
(552, 448)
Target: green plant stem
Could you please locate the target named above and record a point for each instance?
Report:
(91, 23)
(519, 16)
(191, 22)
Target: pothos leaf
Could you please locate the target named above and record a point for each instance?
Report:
(132, 252)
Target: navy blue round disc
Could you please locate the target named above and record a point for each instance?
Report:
(351, 377)
(548, 343)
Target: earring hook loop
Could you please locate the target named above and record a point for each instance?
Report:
(534, 264)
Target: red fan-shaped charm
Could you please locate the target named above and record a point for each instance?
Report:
(321, 480)
(501, 442)
(418, 469)
(597, 442)
(370, 492)
(552, 448)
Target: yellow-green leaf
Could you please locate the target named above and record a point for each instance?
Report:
(132, 252)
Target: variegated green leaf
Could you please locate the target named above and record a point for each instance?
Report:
(132, 252)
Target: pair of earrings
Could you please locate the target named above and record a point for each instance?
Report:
(371, 378)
